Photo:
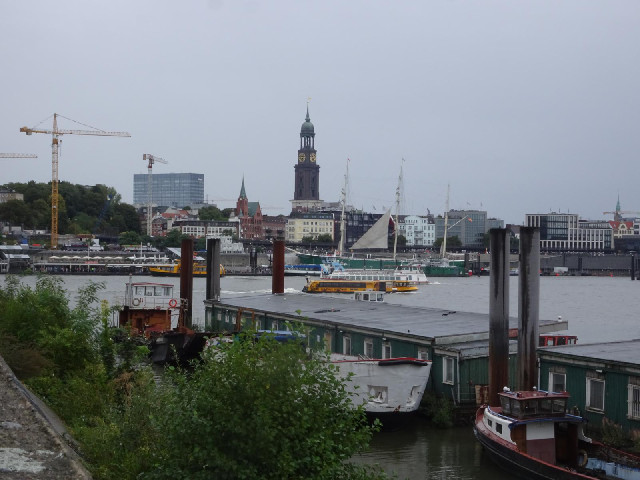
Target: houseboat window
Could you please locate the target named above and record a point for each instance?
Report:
(633, 401)
(368, 348)
(545, 405)
(557, 382)
(386, 350)
(167, 291)
(505, 403)
(346, 345)
(158, 291)
(148, 291)
(595, 394)
(515, 408)
(274, 324)
(499, 427)
(380, 297)
(139, 290)
(530, 407)
(447, 370)
(559, 405)
(423, 355)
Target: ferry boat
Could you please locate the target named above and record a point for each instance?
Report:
(351, 286)
(531, 435)
(173, 270)
(384, 386)
(303, 269)
(413, 276)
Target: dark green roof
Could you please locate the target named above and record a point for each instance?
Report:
(307, 126)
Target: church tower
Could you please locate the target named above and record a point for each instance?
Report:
(306, 196)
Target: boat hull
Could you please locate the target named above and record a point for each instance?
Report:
(388, 386)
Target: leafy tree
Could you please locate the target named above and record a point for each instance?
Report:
(212, 213)
(129, 238)
(453, 241)
(325, 238)
(264, 410)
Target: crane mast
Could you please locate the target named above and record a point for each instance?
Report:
(55, 140)
(151, 159)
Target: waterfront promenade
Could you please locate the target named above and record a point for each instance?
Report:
(32, 438)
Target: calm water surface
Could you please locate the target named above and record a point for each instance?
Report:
(597, 309)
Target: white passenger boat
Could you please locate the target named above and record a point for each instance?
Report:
(390, 385)
(412, 275)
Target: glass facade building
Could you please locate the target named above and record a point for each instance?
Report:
(169, 189)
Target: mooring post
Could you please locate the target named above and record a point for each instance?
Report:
(186, 279)
(633, 266)
(498, 314)
(277, 267)
(528, 307)
(213, 269)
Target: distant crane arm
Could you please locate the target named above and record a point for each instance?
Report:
(18, 155)
(102, 133)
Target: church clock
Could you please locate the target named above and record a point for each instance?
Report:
(301, 157)
(313, 158)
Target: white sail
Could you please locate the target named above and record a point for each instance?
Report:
(376, 236)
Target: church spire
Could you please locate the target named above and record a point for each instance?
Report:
(243, 193)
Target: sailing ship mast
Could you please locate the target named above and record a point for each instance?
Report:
(443, 247)
(344, 201)
(396, 225)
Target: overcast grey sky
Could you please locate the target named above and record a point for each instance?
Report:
(521, 106)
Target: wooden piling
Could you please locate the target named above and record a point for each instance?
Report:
(498, 314)
(277, 267)
(213, 269)
(186, 281)
(528, 307)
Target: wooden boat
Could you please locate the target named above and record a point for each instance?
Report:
(173, 270)
(532, 435)
(389, 385)
(351, 286)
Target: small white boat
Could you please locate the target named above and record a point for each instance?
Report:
(412, 275)
(390, 385)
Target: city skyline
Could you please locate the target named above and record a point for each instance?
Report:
(527, 107)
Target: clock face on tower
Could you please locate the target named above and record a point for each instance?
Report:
(301, 157)
(313, 158)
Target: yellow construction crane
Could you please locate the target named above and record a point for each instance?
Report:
(151, 159)
(55, 134)
(18, 155)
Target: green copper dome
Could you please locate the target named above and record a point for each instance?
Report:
(307, 126)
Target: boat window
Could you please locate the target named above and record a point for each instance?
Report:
(530, 407)
(157, 291)
(167, 291)
(505, 403)
(490, 422)
(559, 405)
(499, 427)
(447, 366)
(515, 408)
(139, 290)
(148, 291)
(380, 297)
(545, 405)
(557, 382)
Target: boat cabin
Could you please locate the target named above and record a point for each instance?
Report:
(369, 296)
(532, 404)
(148, 307)
(553, 340)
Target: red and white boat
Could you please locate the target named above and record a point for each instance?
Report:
(531, 435)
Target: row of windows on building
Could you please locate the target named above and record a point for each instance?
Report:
(595, 392)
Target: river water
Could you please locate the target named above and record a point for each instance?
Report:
(598, 309)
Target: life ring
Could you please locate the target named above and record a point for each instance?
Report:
(582, 458)
(136, 302)
(173, 303)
